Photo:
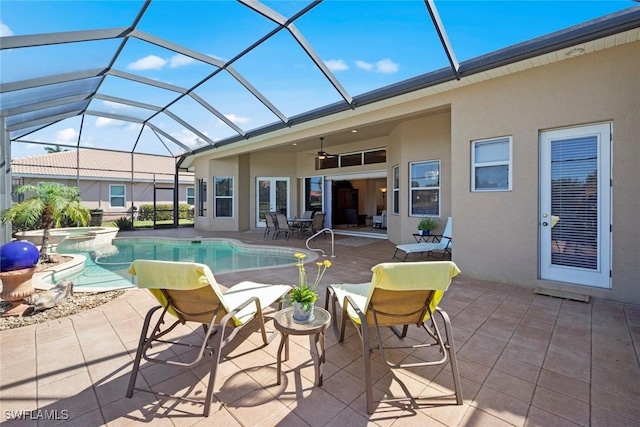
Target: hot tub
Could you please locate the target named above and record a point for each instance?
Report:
(86, 236)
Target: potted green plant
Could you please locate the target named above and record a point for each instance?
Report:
(303, 296)
(426, 225)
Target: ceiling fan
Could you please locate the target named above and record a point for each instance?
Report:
(323, 154)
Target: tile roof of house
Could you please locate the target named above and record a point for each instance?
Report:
(99, 164)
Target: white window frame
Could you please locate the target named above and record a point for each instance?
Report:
(395, 194)
(412, 189)
(123, 195)
(192, 196)
(217, 197)
(475, 165)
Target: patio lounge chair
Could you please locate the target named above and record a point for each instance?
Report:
(441, 242)
(190, 293)
(399, 295)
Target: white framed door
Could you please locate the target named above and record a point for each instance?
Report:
(575, 205)
(272, 195)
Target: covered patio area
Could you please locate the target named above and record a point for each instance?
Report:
(525, 359)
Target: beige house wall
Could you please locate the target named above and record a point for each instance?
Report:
(95, 194)
(221, 168)
(495, 233)
(501, 228)
(419, 140)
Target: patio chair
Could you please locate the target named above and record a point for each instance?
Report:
(440, 242)
(282, 225)
(270, 225)
(379, 221)
(399, 295)
(189, 292)
(316, 225)
(351, 217)
(301, 226)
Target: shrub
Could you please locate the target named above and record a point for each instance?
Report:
(164, 212)
(124, 223)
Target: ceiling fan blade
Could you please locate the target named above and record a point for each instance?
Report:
(321, 155)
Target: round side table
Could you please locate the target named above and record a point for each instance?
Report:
(283, 322)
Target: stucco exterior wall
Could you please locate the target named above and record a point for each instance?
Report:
(95, 194)
(275, 165)
(418, 140)
(496, 234)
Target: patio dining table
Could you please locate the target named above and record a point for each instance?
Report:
(299, 223)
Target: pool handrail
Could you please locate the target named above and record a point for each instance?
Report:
(333, 251)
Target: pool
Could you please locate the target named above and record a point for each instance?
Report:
(105, 267)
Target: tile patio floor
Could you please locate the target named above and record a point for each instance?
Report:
(525, 360)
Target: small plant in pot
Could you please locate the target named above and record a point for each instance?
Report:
(426, 225)
(303, 296)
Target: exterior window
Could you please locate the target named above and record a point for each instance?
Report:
(223, 197)
(327, 163)
(491, 165)
(191, 196)
(313, 193)
(117, 196)
(377, 156)
(15, 183)
(395, 195)
(424, 181)
(202, 197)
(350, 160)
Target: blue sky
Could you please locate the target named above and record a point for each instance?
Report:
(366, 44)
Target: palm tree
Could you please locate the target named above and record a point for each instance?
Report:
(50, 203)
(56, 149)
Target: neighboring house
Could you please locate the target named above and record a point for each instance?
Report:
(105, 178)
(533, 153)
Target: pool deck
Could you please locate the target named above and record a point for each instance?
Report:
(525, 360)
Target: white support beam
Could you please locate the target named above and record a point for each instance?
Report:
(51, 80)
(32, 40)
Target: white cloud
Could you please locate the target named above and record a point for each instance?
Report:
(386, 66)
(336, 64)
(188, 138)
(5, 31)
(133, 127)
(67, 135)
(150, 62)
(239, 120)
(114, 105)
(180, 60)
(364, 65)
(106, 122)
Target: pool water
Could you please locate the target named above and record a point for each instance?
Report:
(106, 266)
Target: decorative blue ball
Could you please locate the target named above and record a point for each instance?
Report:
(17, 255)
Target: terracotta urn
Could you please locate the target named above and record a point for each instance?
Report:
(16, 286)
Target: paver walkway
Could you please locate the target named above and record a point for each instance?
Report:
(524, 359)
